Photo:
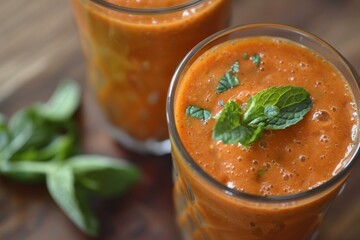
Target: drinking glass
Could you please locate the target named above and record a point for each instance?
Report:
(207, 209)
(132, 49)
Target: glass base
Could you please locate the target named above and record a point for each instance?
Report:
(148, 146)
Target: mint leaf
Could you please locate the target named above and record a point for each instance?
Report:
(229, 129)
(256, 59)
(61, 186)
(63, 103)
(277, 107)
(227, 120)
(245, 135)
(105, 176)
(229, 80)
(198, 112)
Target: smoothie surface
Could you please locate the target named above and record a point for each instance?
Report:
(282, 162)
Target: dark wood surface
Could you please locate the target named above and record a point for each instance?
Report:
(40, 46)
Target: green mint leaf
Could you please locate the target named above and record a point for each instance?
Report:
(277, 107)
(228, 127)
(245, 135)
(198, 112)
(63, 103)
(227, 120)
(106, 176)
(4, 133)
(61, 185)
(234, 68)
(29, 172)
(256, 59)
(229, 80)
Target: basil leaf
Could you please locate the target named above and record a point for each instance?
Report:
(105, 176)
(228, 80)
(277, 107)
(61, 186)
(198, 112)
(63, 103)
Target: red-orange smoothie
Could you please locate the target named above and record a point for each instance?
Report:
(132, 56)
(282, 162)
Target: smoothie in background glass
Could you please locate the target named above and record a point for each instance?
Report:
(280, 186)
(132, 49)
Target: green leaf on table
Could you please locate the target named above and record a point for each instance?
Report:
(27, 171)
(277, 107)
(61, 186)
(63, 103)
(198, 112)
(4, 132)
(106, 176)
(19, 132)
(229, 79)
(59, 148)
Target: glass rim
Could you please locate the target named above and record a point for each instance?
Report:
(175, 138)
(147, 11)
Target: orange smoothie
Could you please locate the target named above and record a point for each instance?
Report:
(280, 185)
(133, 50)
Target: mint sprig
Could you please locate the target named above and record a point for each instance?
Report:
(40, 143)
(273, 108)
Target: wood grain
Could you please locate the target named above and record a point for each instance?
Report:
(40, 46)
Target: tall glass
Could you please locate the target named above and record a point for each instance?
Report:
(207, 209)
(132, 50)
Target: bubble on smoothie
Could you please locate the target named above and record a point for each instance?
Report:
(324, 138)
(286, 175)
(318, 84)
(288, 190)
(263, 144)
(321, 116)
(292, 78)
(302, 158)
(255, 162)
(302, 64)
(265, 188)
(288, 148)
(266, 165)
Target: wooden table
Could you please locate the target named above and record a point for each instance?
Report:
(40, 46)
